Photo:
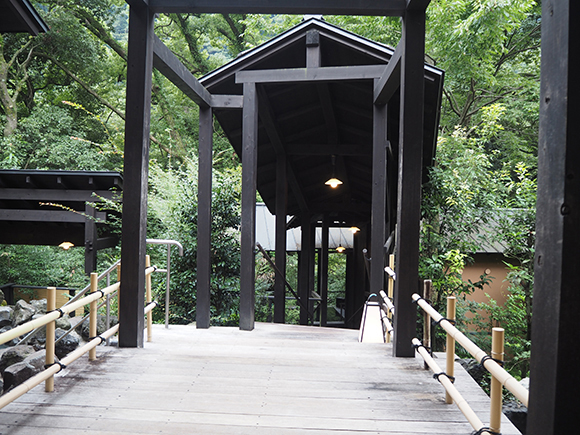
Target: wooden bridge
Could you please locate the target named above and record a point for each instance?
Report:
(277, 379)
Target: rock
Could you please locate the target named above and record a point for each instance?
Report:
(517, 414)
(525, 383)
(11, 342)
(39, 306)
(23, 312)
(15, 355)
(475, 370)
(6, 315)
(63, 322)
(67, 344)
(101, 326)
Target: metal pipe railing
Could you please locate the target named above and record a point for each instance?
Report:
(167, 270)
(498, 372)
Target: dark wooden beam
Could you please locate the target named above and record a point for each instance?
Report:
(379, 192)
(323, 272)
(394, 8)
(171, 67)
(417, 5)
(106, 242)
(324, 74)
(227, 101)
(40, 216)
(90, 240)
(202, 316)
(312, 49)
(553, 374)
(303, 149)
(54, 195)
(269, 122)
(409, 183)
(281, 202)
(390, 81)
(136, 165)
(249, 180)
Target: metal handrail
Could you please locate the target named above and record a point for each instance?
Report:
(169, 243)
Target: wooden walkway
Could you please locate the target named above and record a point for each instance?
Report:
(277, 379)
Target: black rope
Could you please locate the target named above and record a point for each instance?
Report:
(152, 303)
(417, 346)
(486, 357)
(98, 336)
(416, 301)
(436, 376)
(62, 313)
(438, 322)
(98, 291)
(62, 366)
(485, 429)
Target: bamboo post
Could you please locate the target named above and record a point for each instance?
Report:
(148, 299)
(93, 315)
(50, 328)
(450, 345)
(497, 353)
(427, 319)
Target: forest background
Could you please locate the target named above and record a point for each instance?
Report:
(62, 101)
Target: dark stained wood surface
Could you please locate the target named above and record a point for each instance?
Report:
(277, 379)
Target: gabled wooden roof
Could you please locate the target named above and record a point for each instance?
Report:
(19, 16)
(315, 120)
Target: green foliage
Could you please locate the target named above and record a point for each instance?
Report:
(173, 215)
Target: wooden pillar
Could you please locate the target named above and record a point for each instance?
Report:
(553, 374)
(204, 181)
(304, 268)
(90, 240)
(135, 173)
(409, 182)
(323, 272)
(281, 195)
(249, 179)
(379, 193)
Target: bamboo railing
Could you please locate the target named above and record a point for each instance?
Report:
(48, 320)
(493, 364)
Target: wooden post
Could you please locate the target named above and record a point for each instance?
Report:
(135, 173)
(204, 180)
(148, 300)
(50, 327)
(93, 316)
(427, 319)
(323, 272)
(379, 190)
(409, 182)
(497, 353)
(304, 267)
(553, 367)
(450, 346)
(281, 199)
(249, 180)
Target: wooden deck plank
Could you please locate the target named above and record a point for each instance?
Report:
(280, 379)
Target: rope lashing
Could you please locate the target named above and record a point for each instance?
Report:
(59, 310)
(417, 346)
(98, 336)
(436, 376)
(438, 322)
(487, 357)
(62, 366)
(483, 430)
(98, 291)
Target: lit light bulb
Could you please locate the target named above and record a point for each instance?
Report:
(333, 182)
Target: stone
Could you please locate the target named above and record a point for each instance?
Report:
(101, 326)
(15, 355)
(23, 312)
(6, 313)
(39, 306)
(67, 344)
(517, 413)
(63, 322)
(475, 370)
